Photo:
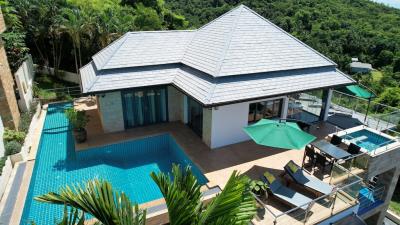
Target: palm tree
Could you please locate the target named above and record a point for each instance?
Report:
(234, 205)
(98, 199)
(76, 25)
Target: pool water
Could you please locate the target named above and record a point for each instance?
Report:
(126, 165)
(367, 139)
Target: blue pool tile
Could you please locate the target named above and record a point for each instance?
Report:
(127, 166)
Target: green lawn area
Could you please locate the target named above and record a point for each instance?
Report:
(376, 75)
(394, 205)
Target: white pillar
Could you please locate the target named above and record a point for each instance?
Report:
(328, 104)
(285, 106)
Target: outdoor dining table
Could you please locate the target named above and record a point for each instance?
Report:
(331, 150)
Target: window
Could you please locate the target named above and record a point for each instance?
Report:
(266, 109)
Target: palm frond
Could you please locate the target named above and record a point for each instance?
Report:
(98, 199)
(182, 195)
(234, 205)
(72, 217)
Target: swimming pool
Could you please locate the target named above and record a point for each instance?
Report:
(126, 165)
(367, 139)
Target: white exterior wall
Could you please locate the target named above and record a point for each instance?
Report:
(111, 114)
(228, 122)
(24, 79)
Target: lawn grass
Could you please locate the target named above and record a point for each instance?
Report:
(394, 205)
(376, 75)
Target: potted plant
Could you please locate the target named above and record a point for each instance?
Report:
(78, 120)
(259, 188)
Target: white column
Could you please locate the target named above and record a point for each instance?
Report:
(328, 104)
(285, 106)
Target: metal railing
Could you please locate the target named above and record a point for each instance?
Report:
(380, 116)
(371, 197)
(343, 196)
(60, 94)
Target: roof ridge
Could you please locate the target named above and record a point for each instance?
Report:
(191, 40)
(104, 49)
(228, 44)
(159, 31)
(115, 50)
(223, 15)
(293, 37)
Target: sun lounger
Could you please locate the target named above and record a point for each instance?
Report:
(307, 180)
(285, 194)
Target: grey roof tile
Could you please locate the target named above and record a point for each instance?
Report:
(238, 56)
(212, 91)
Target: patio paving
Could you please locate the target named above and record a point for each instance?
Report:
(218, 164)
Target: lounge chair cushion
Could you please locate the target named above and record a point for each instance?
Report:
(292, 166)
(273, 183)
(292, 197)
(307, 180)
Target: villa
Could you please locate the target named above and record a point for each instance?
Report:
(161, 97)
(217, 79)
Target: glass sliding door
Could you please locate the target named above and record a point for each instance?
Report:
(195, 116)
(266, 109)
(144, 106)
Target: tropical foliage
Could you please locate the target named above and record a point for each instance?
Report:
(98, 199)
(340, 29)
(234, 205)
(181, 191)
(71, 31)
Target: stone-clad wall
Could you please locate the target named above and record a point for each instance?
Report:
(2, 23)
(111, 114)
(8, 103)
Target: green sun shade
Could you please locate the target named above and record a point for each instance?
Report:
(359, 91)
(277, 134)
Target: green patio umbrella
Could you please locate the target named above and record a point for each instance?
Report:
(277, 134)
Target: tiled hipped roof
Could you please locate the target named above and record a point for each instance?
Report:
(238, 56)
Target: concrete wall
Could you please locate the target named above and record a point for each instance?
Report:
(8, 103)
(24, 79)
(387, 166)
(65, 75)
(175, 104)
(228, 122)
(111, 114)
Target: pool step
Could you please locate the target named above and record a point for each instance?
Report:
(5, 217)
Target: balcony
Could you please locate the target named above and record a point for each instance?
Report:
(343, 197)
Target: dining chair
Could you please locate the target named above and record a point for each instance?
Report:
(310, 154)
(353, 149)
(336, 140)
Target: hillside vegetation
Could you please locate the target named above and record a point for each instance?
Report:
(340, 29)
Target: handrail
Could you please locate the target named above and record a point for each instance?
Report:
(327, 195)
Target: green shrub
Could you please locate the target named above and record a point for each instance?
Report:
(12, 147)
(13, 135)
(25, 121)
(78, 119)
(2, 163)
